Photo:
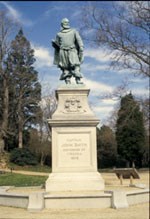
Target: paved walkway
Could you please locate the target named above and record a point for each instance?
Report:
(26, 172)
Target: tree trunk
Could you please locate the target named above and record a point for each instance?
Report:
(42, 160)
(20, 138)
(1, 145)
(5, 112)
(133, 164)
(20, 126)
(127, 164)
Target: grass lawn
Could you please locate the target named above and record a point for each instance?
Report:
(13, 179)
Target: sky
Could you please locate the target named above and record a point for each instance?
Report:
(40, 21)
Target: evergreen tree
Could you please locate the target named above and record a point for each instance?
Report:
(130, 131)
(106, 147)
(7, 27)
(25, 90)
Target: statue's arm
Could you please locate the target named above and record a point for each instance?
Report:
(80, 46)
(79, 40)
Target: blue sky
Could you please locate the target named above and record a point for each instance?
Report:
(41, 21)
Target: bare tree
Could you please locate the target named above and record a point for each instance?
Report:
(40, 145)
(48, 105)
(123, 30)
(40, 139)
(144, 105)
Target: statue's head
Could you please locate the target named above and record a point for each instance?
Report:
(65, 23)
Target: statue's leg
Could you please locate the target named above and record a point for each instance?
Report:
(77, 75)
(67, 80)
(65, 74)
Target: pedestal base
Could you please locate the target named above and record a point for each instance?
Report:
(63, 182)
(74, 151)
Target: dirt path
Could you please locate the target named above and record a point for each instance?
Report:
(27, 172)
(134, 212)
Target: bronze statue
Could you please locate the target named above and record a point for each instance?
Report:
(68, 55)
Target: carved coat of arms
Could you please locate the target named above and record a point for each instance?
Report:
(73, 105)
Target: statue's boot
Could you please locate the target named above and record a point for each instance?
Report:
(78, 81)
(67, 80)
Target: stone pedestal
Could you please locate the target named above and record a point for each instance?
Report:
(74, 153)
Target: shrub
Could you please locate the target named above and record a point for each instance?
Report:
(22, 157)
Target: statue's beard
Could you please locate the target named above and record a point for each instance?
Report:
(66, 26)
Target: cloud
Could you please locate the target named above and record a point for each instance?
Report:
(12, 11)
(94, 68)
(16, 15)
(103, 109)
(76, 13)
(97, 87)
(43, 56)
(139, 80)
(109, 101)
(105, 57)
(140, 91)
(49, 82)
(53, 8)
(98, 54)
(102, 112)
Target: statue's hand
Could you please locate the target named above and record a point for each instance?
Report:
(81, 57)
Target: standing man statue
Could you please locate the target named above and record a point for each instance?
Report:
(68, 56)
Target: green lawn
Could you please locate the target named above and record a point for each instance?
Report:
(13, 179)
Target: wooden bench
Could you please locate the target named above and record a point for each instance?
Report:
(126, 173)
